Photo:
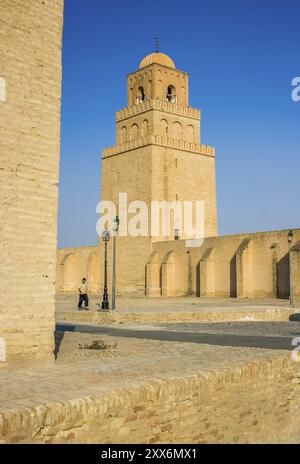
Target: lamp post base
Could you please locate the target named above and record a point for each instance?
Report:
(105, 305)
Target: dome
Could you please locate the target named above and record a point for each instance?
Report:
(159, 58)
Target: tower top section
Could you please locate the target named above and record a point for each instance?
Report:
(158, 58)
(157, 79)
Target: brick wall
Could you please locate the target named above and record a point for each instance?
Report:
(30, 64)
(254, 402)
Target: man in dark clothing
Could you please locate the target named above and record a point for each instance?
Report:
(83, 296)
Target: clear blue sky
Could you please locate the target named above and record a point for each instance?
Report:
(241, 56)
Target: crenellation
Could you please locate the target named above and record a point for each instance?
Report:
(204, 150)
(157, 104)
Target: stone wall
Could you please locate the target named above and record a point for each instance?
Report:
(254, 402)
(254, 265)
(30, 65)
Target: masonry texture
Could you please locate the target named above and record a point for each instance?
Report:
(256, 401)
(30, 64)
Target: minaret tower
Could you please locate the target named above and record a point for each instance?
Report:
(158, 156)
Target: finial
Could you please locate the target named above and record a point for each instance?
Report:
(156, 44)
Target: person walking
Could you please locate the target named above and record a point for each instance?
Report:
(83, 295)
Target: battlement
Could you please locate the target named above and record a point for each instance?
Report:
(158, 104)
(205, 150)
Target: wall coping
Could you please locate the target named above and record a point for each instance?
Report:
(159, 105)
(201, 149)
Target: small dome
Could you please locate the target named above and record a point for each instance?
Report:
(159, 58)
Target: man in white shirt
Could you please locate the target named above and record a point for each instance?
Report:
(83, 296)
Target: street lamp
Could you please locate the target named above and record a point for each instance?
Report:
(105, 238)
(115, 230)
(290, 236)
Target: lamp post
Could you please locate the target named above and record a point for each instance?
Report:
(290, 236)
(115, 230)
(105, 238)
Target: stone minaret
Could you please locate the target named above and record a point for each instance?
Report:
(158, 156)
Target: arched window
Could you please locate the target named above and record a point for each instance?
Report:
(164, 127)
(2, 90)
(141, 97)
(190, 133)
(123, 137)
(177, 130)
(131, 97)
(134, 132)
(150, 89)
(145, 127)
(171, 94)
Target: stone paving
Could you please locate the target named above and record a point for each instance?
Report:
(68, 302)
(186, 309)
(141, 353)
(136, 354)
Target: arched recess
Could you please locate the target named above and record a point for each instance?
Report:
(123, 134)
(168, 275)
(153, 276)
(145, 128)
(164, 127)
(134, 132)
(189, 134)
(93, 273)
(177, 130)
(205, 276)
(131, 98)
(150, 89)
(69, 273)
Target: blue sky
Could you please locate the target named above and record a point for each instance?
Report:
(241, 56)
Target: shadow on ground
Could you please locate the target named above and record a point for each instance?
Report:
(173, 333)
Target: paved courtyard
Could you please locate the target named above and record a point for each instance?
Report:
(130, 354)
(98, 359)
(68, 302)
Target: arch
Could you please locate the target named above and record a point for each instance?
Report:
(145, 128)
(177, 130)
(183, 95)
(131, 100)
(167, 272)
(69, 273)
(123, 134)
(164, 127)
(171, 94)
(153, 276)
(134, 132)
(2, 89)
(150, 88)
(190, 133)
(93, 273)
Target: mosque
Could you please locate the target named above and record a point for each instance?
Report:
(159, 157)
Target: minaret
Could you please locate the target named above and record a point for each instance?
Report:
(158, 155)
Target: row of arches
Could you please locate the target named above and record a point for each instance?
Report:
(135, 131)
(142, 94)
(174, 130)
